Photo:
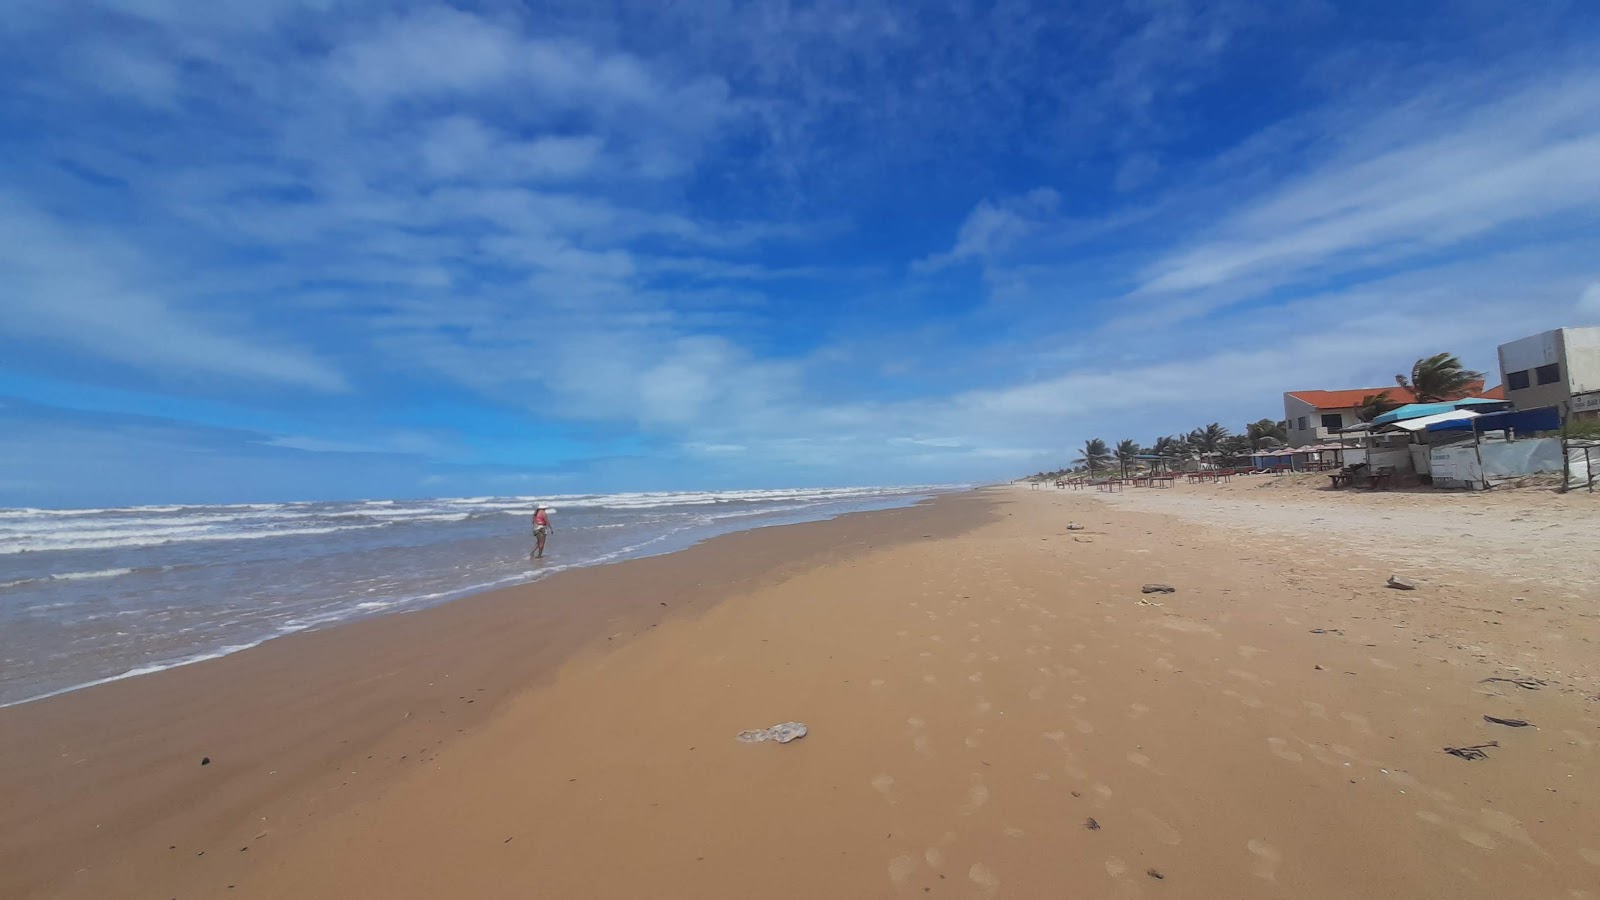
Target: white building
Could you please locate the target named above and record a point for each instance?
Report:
(1556, 368)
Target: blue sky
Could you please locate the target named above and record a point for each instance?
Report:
(264, 249)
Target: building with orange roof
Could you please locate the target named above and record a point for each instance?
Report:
(1315, 417)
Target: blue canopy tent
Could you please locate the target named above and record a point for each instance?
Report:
(1418, 410)
(1522, 421)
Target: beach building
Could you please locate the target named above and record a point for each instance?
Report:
(1316, 417)
(1558, 368)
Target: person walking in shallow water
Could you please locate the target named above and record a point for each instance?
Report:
(541, 530)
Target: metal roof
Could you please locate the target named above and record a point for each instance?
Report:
(1544, 418)
(1422, 422)
(1418, 410)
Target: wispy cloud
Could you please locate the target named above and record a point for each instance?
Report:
(1437, 172)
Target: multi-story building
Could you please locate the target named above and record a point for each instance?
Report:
(1315, 417)
(1556, 368)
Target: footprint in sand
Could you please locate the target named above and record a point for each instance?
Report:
(1252, 702)
(877, 682)
(1082, 726)
(1011, 831)
(921, 745)
(1316, 709)
(1382, 664)
(984, 706)
(1478, 838)
(1589, 855)
(1139, 759)
(1115, 867)
(972, 741)
(929, 679)
(1101, 790)
(1267, 859)
(1507, 826)
(1158, 829)
(1280, 749)
(883, 784)
(1137, 710)
(934, 856)
(1251, 677)
(916, 722)
(1036, 692)
(1357, 721)
(901, 868)
(975, 677)
(977, 796)
(1249, 652)
(988, 884)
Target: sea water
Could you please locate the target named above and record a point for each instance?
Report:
(93, 595)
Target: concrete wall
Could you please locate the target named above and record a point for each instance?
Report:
(1575, 350)
(1294, 408)
(1581, 347)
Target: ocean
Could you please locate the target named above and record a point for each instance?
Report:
(94, 595)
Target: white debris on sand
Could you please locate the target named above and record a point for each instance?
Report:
(783, 734)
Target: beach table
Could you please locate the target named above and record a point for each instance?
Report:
(1340, 479)
(1162, 480)
(1110, 485)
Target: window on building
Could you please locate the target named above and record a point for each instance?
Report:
(1548, 374)
(1517, 381)
(1302, 424)
(1332, 421)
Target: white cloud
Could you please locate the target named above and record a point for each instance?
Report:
(80, 289)
(1429, 176)
(994, 227)
(434, 51)
(1589, 302)
(463, 147)
(125, 69)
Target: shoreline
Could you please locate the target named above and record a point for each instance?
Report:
(410, 605)
(275, 719)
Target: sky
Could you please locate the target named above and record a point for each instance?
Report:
(260, 250)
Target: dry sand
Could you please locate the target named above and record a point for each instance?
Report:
(1272, 729)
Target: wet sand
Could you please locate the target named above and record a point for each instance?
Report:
(980, 683)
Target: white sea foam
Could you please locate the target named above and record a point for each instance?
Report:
(220, 597)
(150, 669)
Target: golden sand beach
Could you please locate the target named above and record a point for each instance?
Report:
(995, 707)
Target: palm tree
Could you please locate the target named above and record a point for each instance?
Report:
(1096, 455)
(1235, 447)
(1126, 451)
(1439, 377)
(1208, 439)
(1265, 434)
(1375, 405)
